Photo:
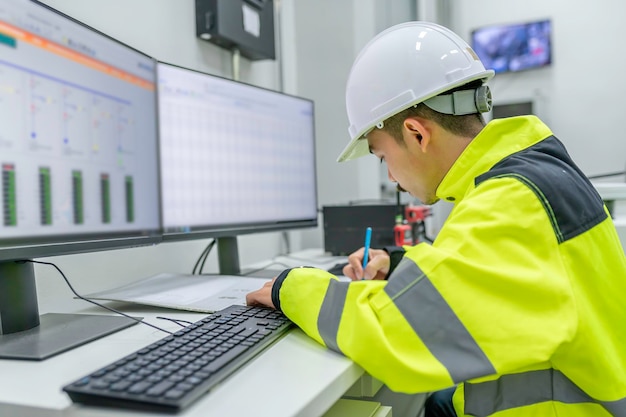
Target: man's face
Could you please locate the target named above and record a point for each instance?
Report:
(407, 164)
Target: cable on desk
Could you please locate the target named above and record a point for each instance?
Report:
(181, 323)
(202, 258)
(92, 301)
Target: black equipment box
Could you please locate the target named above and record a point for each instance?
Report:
(344, 226)
(247, 25)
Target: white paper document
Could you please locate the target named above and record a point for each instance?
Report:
(202, 293)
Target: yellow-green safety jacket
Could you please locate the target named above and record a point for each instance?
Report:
(520, 300)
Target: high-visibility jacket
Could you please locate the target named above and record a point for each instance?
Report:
(520, 300)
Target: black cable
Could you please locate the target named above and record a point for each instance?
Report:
(206, 255)
(193, 271)
(91, 301)
(202, 258)
(177, 321)
(195, 267)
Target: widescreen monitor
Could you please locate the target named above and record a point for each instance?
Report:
(514, 47)
(235, 159)
(78, 158)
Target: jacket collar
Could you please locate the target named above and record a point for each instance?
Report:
(498, 139)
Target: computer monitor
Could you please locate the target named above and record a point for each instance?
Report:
(79, 160)
(235, 159)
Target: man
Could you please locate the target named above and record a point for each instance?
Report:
(518, 306)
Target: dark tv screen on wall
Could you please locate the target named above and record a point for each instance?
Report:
(514, 47)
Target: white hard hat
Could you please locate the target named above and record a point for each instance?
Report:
(405, 65)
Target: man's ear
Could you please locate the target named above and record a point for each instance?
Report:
(418, 132)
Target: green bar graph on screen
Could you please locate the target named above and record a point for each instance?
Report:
(77, 192)
(45, 195)
(130, 200)
(9, 195)
(105, 190)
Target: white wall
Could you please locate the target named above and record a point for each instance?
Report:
(581, 95)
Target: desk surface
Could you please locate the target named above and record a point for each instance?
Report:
(294, 377)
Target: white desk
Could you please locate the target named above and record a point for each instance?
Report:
(294, 377)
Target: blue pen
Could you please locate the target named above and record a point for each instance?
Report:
(366, 248)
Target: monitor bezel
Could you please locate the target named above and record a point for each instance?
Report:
(245, 228)
(28, 247)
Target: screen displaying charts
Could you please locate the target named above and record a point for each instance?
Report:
(78, 132)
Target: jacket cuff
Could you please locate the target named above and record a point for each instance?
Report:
(276, 288)
(395, 256)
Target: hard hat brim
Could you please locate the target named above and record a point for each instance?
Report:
(356, 148)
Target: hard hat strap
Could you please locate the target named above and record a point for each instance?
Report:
(462, 102)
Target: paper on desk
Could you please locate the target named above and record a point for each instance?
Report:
(202, 293)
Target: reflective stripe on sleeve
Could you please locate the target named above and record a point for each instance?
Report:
(436, 324)
(330, 313)
(518, 390)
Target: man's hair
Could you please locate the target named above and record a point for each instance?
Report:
(466, 125)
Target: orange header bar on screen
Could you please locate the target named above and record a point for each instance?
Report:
(74, 56)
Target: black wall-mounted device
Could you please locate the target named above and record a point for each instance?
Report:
(246, 25)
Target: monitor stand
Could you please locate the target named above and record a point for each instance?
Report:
(228, 260)
(26, 335)
(228, 255)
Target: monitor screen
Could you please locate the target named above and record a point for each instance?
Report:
(235, 158)
(78, 141)
(514, 47)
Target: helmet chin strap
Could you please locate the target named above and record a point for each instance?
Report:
(462, 102)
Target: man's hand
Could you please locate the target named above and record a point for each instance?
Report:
(261, 297)
(376, 268)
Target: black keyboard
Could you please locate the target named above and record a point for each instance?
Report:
(171, 373)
